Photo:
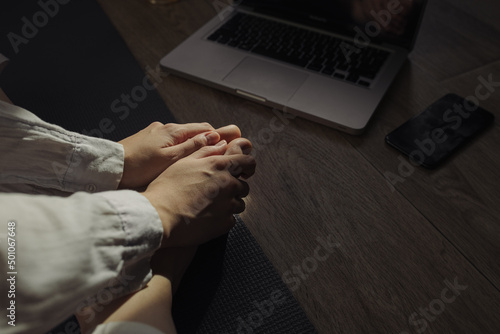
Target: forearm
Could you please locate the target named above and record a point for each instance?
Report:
(68, 249)
(151, 306)
(45, 155)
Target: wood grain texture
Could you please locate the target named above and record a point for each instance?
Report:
(394, 249)
(451, 37)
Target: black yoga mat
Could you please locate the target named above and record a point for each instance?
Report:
(70, 67)
(76, 71)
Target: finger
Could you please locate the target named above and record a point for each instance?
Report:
(191, 145)
(239, 146)
(243, 189)
(227, 224)
(241, 165)
(229, 132)
(218, 149)
(237, 205)
(188, 130)
(223, 225)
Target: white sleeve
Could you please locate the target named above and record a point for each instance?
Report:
(67, 249)
(38, 153)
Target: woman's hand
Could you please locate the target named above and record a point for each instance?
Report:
(152, 150)
(197, 196)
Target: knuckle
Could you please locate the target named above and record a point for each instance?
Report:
(212, 161)
(219, 164)
(171, 128)
(198, 141)
(248, 160)
(232, 186)
(156, 124)
(208, 125)
(235, 127)
(168, 155)
(179, 133)
(171, 125)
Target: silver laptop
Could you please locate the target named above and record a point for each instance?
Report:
(330, 61)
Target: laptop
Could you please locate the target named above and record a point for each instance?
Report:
(329, 61)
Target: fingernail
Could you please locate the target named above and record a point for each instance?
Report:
(221, 143)
(247, 149)
(212, 138)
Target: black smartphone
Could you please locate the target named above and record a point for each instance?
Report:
(432, 136)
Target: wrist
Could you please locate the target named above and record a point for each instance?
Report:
(124, 184)
(164, 217)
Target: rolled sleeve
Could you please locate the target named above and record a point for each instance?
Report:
(143, 232)
(77, 254)
(36, 152)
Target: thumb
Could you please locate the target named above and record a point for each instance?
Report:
(217, 149)
(193, 144)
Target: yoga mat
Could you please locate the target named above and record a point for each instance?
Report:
(77, 72)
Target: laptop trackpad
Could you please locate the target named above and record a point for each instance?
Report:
(265, 79)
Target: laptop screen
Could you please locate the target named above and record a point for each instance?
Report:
(378, 21)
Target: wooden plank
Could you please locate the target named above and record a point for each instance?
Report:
(461, 197)
(312, 182)
(487, 11)
(452, 42)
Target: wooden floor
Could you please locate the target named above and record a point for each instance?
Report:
(397, 252)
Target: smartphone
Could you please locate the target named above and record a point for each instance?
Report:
(440, 130)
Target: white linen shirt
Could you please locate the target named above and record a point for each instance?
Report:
(87, 241)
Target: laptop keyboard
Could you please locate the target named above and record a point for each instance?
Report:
(304, 48)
